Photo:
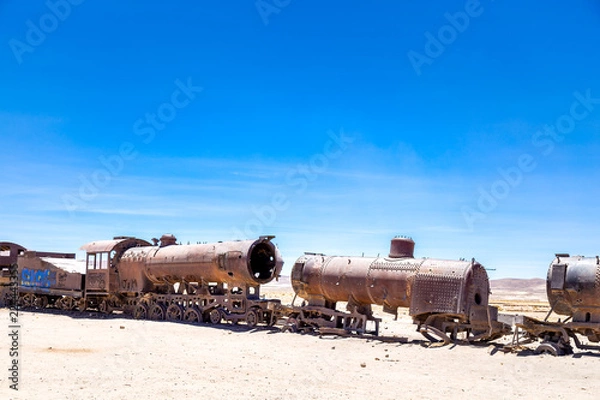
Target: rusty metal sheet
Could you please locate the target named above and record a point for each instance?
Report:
(45, 276)
(101, 246)
(447, 286)
(424, 285)
(9, 252)
(436, 293)
(573, 287)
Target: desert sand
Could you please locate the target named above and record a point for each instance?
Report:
(90, 356)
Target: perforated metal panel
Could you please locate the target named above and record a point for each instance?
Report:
(436, 293)
(395, 266)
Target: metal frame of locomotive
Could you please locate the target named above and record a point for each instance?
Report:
(573, 289)
(447, 299)
(195, 283)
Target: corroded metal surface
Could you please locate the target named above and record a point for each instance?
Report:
(452, 287)
(9, 252)
(360, 280)
(241, 263)
(102, 261)
(44, 275)
(194, 283)
(424, 285)
(442, 295)
(573, 287)
(99, 246)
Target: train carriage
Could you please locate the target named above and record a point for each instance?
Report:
(45, 278)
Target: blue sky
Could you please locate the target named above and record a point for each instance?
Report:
(470, 126)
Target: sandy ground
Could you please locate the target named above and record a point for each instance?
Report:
(94, 357)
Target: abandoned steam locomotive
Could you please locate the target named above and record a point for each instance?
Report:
(201, 282)
(446, 298)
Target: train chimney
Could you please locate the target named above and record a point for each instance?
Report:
(402, 247)
(167, 240)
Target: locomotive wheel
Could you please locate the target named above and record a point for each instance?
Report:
(140, 311)
(157, 312)
(68, 303)
(191, 315)
(553, 348)
(214, 316)
(252, 318)
(174, 312)
(105, 307)
(28, 300)
(291, 325)
(58, 303)
(41, 302)
(82, 304)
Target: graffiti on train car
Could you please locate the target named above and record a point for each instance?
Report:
(43, 278)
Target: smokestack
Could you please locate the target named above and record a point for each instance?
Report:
(402, 247)
(167, 240)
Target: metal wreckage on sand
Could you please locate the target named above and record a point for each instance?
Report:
(448, 300)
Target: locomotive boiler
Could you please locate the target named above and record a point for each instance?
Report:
(198, 282)
(247, 263)
(573, 288)
(447, 299)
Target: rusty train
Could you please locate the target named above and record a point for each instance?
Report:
(448, 300)
(201, 282)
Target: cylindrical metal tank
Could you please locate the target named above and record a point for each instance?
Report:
(425, 285)
(248, 262)
(573, 287)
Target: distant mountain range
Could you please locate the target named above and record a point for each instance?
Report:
(529, 285)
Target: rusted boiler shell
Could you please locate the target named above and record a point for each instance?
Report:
(424, 285)
(573, 287)
(249, 262)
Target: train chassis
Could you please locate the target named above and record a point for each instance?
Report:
(210, 308)
(555, 336)
(212, 305)
(328, 320)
